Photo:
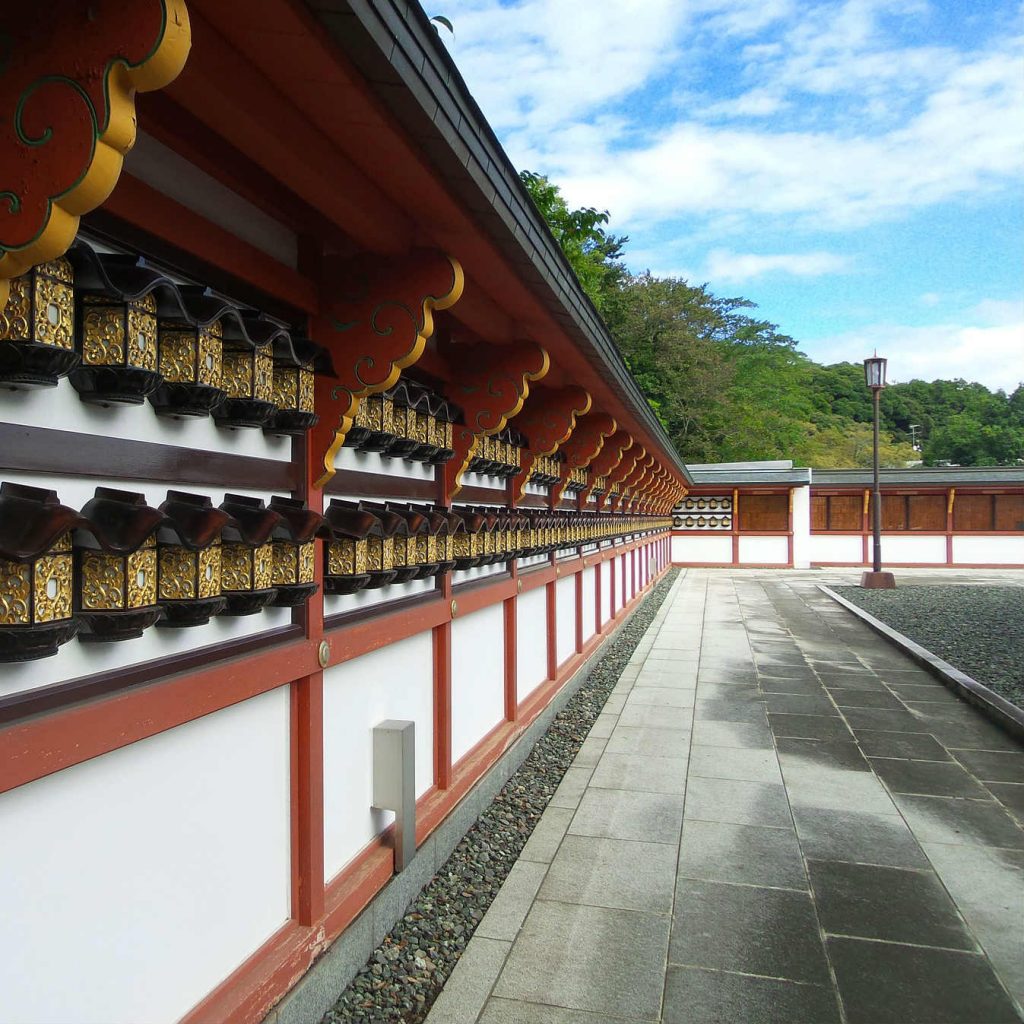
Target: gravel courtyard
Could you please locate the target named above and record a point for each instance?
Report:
(978, 629)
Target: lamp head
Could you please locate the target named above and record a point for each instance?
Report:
(874, 372)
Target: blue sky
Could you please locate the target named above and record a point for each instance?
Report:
(854, 167)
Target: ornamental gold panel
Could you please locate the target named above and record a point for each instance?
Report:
(54, 304)
(305, 390)
(141, 573)
(177, 574)
(236, 567)
(380, 553)
(263, 566)
(347, 557)
(54, 584)
(286, 563)
(15, 317)
(307, 561)
(285, 393)
(15, 593)
(102, 582)
(463, 545)
(237, 374)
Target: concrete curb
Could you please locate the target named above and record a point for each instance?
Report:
(1006, 715)
(319, 988)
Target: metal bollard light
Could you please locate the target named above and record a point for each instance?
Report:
(394, 783)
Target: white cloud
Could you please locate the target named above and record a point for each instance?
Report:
(853, 127)
(736, 267)
(987, 345)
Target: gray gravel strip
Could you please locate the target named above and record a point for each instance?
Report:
(980, 630)
(408, 969)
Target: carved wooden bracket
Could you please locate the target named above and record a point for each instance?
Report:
(490, 383)
(69, 73)
(580, 450)
(606, 460)
(630, 488)
(377, 314)
(547, 420)
(629, 460)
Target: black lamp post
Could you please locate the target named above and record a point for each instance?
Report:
(874, 377)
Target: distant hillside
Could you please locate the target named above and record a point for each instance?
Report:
(729, 387)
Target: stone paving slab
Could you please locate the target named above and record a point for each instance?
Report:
(776, 818)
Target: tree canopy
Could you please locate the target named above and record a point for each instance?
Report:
(729, 386)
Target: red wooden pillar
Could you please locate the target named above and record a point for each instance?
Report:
(736, 527)
(551, 629)
(307, 798)
(950, 498)
(578, 580)
(511, 645)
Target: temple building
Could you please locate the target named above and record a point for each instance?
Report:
(321, 480)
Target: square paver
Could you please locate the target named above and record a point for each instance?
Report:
(799, 704)
(615, 873)
(661, 696)
(865, 699)
(515, 1011)
(857, 837)
(917, 746)
(729, 711)
(960, 726)
(836, 754)
(744, 928)
(937, 819)
(741, 803)
(932, 778)
(807, 685)
(733, 734)
(470, 983)
(842, 790)
(631, 739)
(1010, 795)
(653, 717)
(886, 983)
(891, 904)
(616, 964)
(933, 692)
(882, 720)
(642, 772)
(695, 995)
(851, 681)
(618, 814)
(993, 765)
(732, 763)
(571, 788)
(748, 854)
(811, 727)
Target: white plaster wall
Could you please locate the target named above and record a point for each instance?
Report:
(60, 408)
(988, 550)
(531, 560)
(903, 547)
(133, 883)
(831, 548)
(531, 641)
(764, 550)
(622, 580)
(801, 527)
(606, 591)
(395, 682)
(478, 677)
(374, 462)
(75, 659)
(565, 618)
(335, 604)
(589, 602)
(697, 547)
(478, 572)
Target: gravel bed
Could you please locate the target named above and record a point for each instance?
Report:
(408, 969)
(979, 630)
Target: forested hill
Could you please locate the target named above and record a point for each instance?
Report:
(730, 387)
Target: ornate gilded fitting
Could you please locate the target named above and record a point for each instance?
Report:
(37, 328)
(406, 542)
(293, 397)
(247, 554)
(247, 378)
(295, 551)
(346, 554)
(117, 341)
(190, 360)
(36, 573)
(404, 396)
(376, 414)
(386, 551)
(116, 566)
(189, 560)
(431, 543)
(441, 432)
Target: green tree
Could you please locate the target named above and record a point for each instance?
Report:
(592, 253)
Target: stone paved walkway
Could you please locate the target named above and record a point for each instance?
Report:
(776, 818)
